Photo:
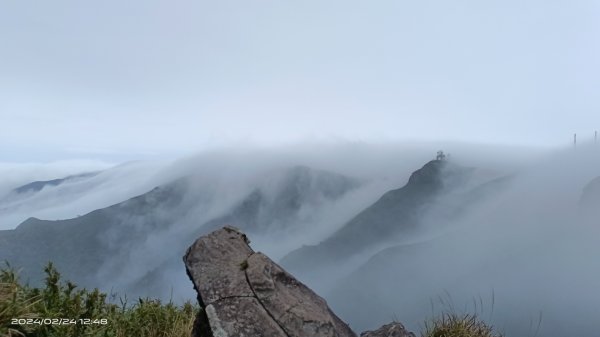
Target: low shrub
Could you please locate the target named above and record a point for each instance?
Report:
(455, 325)
(60, 309)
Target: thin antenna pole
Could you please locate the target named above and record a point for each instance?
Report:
(574, 140)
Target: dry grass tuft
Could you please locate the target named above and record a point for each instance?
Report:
(454, 325)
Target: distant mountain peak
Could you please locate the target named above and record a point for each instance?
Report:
(274, 206)
(429, 173)
(395, 212)
(37, 186)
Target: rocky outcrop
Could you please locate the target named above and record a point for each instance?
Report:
(244, 293)
(393, 329)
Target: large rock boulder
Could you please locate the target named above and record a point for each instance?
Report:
(243, 293)
(394, 329)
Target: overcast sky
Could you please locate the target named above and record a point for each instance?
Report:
(131, 79)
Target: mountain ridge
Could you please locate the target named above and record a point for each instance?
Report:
(81, 246)
(396, 211)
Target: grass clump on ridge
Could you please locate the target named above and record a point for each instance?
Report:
(455, 325)
(58, 300)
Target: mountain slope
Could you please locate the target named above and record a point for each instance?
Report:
(79, 245)
(590, 196)
(300, 189)
(37, 186)
(397, 212)
(123, 242)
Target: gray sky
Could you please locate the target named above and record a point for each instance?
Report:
(124, 80)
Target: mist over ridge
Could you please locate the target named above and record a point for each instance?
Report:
(401, 159)
(528, 251)
(506, 221)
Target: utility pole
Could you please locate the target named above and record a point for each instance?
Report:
(574, 140)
